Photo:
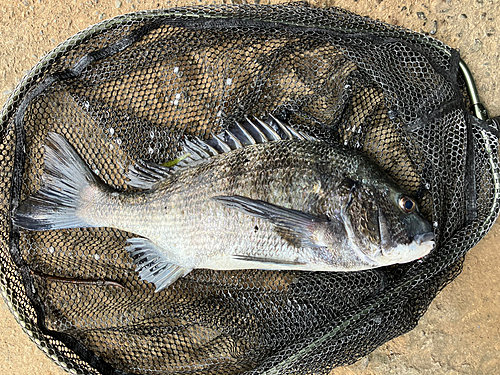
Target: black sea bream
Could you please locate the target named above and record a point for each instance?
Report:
(260, 201)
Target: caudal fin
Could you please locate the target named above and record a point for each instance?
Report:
(65, 177)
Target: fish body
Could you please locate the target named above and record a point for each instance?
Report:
(294, 203)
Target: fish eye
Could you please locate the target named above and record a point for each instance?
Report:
(407, 204)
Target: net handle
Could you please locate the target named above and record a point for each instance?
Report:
(480, 110)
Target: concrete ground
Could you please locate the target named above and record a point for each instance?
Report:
(460, 333)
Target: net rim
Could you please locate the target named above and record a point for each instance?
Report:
(25, 84)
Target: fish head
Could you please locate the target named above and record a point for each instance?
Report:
(384, 223)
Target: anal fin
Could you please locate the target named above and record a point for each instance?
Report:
(152, 264)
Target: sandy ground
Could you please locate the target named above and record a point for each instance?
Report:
(460, 333)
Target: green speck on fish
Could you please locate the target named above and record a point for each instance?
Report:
(173, 163)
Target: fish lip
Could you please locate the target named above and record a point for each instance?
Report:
(426, 241)
(424, 237)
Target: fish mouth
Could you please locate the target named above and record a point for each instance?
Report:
(426, 241)
(389, 253)
(420, 246)
(423, 238)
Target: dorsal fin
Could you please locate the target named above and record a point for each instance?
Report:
(144, 175)
(194, 148)
(288, 131)
(221, 144)
(271, 135)
(284, 129)
(244, 136)
(255, 132)
(250, 132)
(231, 138)
(205, 146)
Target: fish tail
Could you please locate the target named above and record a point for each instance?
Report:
(66, 179)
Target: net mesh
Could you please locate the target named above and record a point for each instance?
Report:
(132, 87)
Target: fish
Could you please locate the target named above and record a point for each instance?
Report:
(260, 196)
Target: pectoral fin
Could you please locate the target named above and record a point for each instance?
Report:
(152, 265)
(296, 227)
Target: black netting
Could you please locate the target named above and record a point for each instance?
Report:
(131, 88)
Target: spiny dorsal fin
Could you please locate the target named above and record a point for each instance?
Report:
(221, 144)
(144, 175)
(255, 131)
(249, 132)
(196, 151)
(290, 131)
(232, 140)
(243, 135)
(200, 145)
(270, 134)
(284, 128)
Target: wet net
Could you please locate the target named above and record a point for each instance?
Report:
(133, 87)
